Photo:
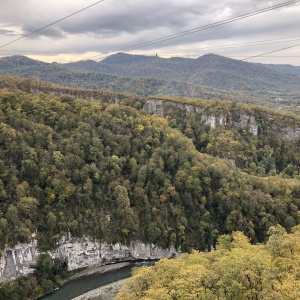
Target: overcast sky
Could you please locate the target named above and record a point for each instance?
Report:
(117, 24)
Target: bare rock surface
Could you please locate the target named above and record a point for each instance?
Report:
(79, 253)
(106, 292)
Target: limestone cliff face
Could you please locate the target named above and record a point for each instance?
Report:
(79, 253)
(160, 107)
(221, 118)
(290, 133)
(17, 261)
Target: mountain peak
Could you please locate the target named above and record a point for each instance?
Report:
(19, 60)
(122, 57)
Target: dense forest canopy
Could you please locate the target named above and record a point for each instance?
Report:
(94, 163)
(270, 152)
(274, 149)
(235, 270)
(117, 174)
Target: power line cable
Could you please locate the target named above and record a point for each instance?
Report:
(237, 45)
(205, 27)
(55, 22)
(270, 52)
(226, 46)
(197, 29)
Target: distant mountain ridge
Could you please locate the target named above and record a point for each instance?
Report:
(142, 86)
(210, 70)
(289, 69)
(208, 77)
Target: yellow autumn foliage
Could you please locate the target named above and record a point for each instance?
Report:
(235, 270)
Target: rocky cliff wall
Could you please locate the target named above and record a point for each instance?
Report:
(84, 252)
(160, 107)
(223, 118)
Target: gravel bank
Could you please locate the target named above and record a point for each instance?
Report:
(99, 269)
(106, 292)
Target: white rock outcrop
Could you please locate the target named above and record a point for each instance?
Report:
(83, 252)
(241, 121)
(18, 261)
(159, 107)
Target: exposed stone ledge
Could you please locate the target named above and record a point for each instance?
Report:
(241, 121)
(159, 106)
(17, 261)
(79, 253)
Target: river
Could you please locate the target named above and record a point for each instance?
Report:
(79, 286)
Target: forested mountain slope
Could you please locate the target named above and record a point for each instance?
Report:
(184, 68)
(260, 85)
(118, 174)
(59, 74)
(289, 69)
(209, 70)
(258, 140)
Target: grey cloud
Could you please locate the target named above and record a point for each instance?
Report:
(7, 32)
(115, 24)
(136, 16)
(52, 32)
(133, 19)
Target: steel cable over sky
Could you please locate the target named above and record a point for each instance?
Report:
(217, 47)
(195, 30)
(270, 52)
(237, 45)
(55, 22)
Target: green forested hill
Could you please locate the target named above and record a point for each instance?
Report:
(117, 174)
(274, 149)
(208, 70)
(142, 86)
(289, 69)
(208, 77)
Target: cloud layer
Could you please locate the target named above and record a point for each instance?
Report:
(114, 25)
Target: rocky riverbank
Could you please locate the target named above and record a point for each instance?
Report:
(106, 292)
(100, 269)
